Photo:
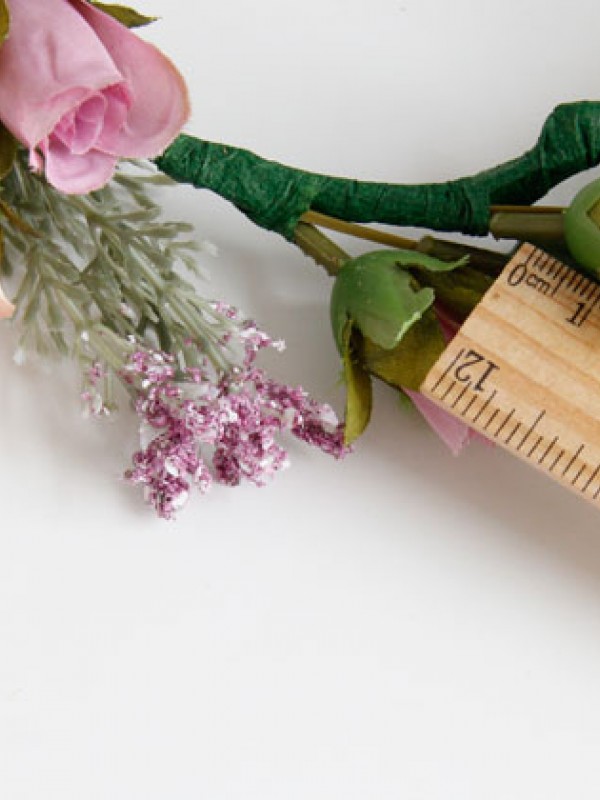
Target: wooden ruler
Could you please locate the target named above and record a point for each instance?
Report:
(524, 369)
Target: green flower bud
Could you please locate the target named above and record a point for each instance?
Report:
(582, 228)
(384, 325)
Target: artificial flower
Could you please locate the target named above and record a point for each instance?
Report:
(80, 91)
(386, 326)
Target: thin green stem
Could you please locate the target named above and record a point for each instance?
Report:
(320, 248)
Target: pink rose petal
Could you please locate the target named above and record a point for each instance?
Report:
(80, 90)
(79, 175)
(160, 104)
(51, 62)
(454, 433)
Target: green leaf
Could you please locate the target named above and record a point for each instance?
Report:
(406, 365)
(123, 14)
(359, 392)
(459, 292)
(4, 21)
(8, 151)
(380, 295)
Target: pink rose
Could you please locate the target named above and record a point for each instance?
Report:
(81, 91)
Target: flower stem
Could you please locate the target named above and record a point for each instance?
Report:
(359, 231)
(276, 196)
(486, 261)
(320, 248)
(545, 228)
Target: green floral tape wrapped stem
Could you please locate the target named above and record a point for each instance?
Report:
(275, 196)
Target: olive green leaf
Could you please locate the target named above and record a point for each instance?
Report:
(459, 292)
(405, 365)
(359, 392)
(4, 21)
(123, 14)
(381, 296)
(8, 151)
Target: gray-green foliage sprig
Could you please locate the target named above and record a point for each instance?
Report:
(106, 261)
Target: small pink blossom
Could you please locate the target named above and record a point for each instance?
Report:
(201, 426)
(81, 91)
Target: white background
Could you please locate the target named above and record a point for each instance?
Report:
(400, 625)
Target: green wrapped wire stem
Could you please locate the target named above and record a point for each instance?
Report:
(276, 196)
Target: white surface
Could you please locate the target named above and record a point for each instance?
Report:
(400, 625)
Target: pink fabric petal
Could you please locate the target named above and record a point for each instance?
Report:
(118, 104)
(454, 433)
(6, 307)
(76, 174)
(80, 129)
(51, 62)
(160, 105)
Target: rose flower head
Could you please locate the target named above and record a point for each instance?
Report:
(80, 91)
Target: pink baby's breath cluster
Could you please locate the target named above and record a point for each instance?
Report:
(200, 425)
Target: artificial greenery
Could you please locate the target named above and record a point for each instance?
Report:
(102, 270)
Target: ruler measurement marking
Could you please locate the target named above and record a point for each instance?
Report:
(508, 418)
(555, 267)
(460, 395)
(485, 405)
(468, 406)
(548, 449)
(574, 458)
(575, 288)
(585, 287)
(538, 419)
(572, 279)
(514, 430)
(530, 257)
(576, 478)
(540, 258)
(590, 479)
(594, 288)
(535, 447)
(491, 419)
(551, 265)
(563, 274)
(596, 493)
(448, 390)
(541, 262)
(557, 460)
(447, 370)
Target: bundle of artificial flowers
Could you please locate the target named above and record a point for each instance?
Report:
(101, 276)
